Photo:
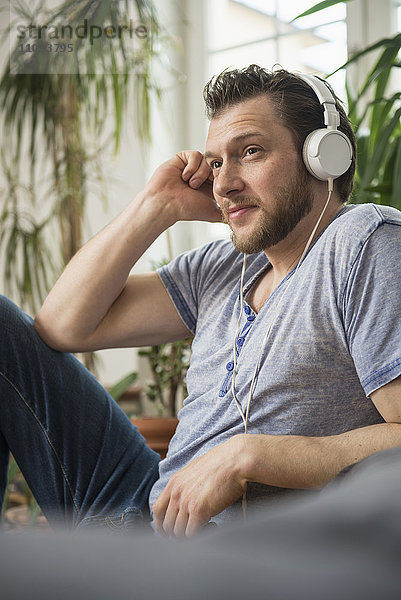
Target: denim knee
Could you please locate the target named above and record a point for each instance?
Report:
(131, 519)
(11, 315)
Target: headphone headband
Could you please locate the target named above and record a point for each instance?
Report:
(326, 99)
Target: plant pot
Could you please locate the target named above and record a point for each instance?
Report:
(20, 517)
(157, 432)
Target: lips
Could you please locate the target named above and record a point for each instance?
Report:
(236, 212)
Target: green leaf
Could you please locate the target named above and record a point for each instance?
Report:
(380, 149)
(38, 111)
(394, 43)
(381, 112)
(121, 386)
(396, 199)
(118, 107)
(362, 154)
(318, 7)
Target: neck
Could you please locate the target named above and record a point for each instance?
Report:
(285, 255)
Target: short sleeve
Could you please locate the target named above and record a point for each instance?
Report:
(189, 278)
(372, 308)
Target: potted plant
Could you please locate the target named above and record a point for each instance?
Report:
(54, 109)
(54, 104)
(166, 389)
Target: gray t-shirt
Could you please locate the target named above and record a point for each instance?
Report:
(335, 337)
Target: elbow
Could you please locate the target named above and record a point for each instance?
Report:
(44, 327)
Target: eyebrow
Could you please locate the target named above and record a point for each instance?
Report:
(238, 138)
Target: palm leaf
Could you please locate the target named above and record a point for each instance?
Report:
(121, 386)
(320, 6)
(380, 117)
(37, 100)
(380, 73)
(396, 196)
(393, 44)
(380, 150)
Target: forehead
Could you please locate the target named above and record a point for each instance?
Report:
(256, 115)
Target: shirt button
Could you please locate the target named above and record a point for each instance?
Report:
(240, 341)
(230, 366)
(247, 309)
(251, 318)
(222, 393)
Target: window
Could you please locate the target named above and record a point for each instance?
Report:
(398, 6)
(262, 31)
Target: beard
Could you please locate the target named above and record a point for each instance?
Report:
(293, 201)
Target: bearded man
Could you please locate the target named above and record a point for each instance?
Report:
(296, 358)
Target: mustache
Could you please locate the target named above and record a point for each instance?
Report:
(240, 201)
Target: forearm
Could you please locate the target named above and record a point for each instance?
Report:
(95, 304)
(97, 274)
(306, 462)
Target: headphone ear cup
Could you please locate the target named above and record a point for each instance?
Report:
(327, 153)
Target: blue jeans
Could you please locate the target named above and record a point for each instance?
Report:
(84, 461)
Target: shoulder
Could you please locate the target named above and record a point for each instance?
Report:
(361, 220)
(368, 246)
(358, 224)
(220, 250)
(359, 237)
(211, 258)
(210, 261)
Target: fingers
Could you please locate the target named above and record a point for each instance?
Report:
(171, 517)
(159, 509)
(179, 522)
(193, 525)
(201, 489)
(175, 517)
(196, 170)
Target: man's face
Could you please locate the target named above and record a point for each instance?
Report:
(259, 182)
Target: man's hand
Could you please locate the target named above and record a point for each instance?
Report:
(200, 490)
(183, 186)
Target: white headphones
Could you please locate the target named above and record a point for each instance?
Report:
(327, 152)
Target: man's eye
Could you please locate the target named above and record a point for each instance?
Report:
(215, 164)
(251, 150)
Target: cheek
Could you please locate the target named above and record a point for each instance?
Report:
(267, 176)
(278, 171)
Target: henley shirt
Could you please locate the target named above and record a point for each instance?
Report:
(334, 337)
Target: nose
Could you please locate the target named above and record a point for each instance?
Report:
(227, 181)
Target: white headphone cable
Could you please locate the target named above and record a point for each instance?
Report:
(245, 417)
(235, 341)
(307, 246)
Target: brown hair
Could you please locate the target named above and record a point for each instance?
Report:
(294, 100)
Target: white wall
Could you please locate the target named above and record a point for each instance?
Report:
(367, 22)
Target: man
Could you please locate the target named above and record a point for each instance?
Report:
(315, 376)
